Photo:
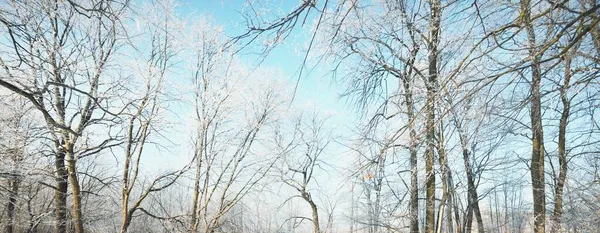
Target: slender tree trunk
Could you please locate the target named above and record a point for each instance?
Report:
(195, 199)
(562, 154)
(450, 203)
(60, 193)
(13, 185)
(435, 6)
(429, 160)
(196, 195)
(537, 140)
(455, 208)
(414, 182)
(441, 207)
(414, 193)
(126, 213)
(473, 198)
(378, 186)
(477, 211)
(125, 190)
(445, 172)
(125, 220)
(468, 220)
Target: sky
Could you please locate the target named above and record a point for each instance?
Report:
(315, 87)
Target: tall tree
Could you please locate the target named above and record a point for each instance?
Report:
(143, 118)
(16, 133)
(230, 117)
(432, 86)
(538, 184)
(301, 159)
(60, 53)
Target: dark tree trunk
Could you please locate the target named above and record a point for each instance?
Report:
(60, 193)
(562, 153)
(13, 185)
(537, 139)
(434, 23)
(473, 198)
(414, 182)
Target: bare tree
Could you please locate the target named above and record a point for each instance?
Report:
(301, 159)
(229, 116)
(16, 135)
(463, 108)
(63, 56)
(144, 117)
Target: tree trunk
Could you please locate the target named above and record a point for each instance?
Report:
(194, 219)
(562, 154)
(442, 206)
(196, 196)
(315, 214)
(378, 185)
(60, 193)
(477, 211)
(435, 6)
(76, 189)
(414, 182)
(445, 203)
(13, 185)
(414, 192)
(468, 220)
(537, 139)
(126, 220)
(473, 198)
(455, 208)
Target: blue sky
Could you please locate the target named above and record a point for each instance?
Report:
(315, 87)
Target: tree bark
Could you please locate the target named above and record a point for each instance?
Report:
(537, 139)
(446, 201)
(562, 154)
(414, 182)
(196, 195)
(13, 185)
(195, 221)
(76, 189)
(434, 23)
(473, 198)
(126, 220)
(315, 213)
(60, 193)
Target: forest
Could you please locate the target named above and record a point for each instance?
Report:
(282, 116)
